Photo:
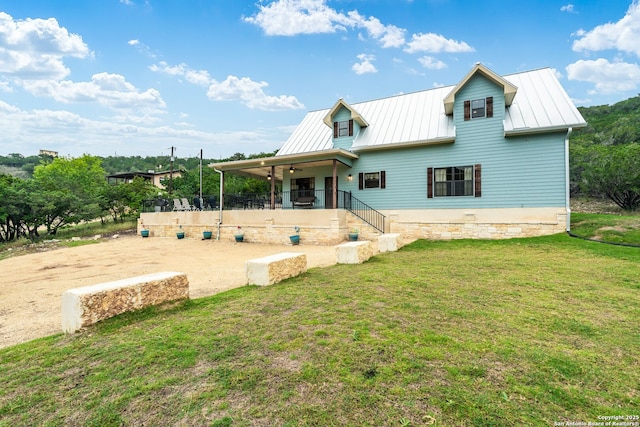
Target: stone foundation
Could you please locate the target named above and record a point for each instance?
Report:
(85, 306)
(449, 224)
(275, 268)
(331, 226)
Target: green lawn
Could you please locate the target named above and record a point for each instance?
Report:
(463, 333)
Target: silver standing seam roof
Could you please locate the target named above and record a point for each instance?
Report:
(540, 105)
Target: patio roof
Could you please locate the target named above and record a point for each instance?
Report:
(261, 167)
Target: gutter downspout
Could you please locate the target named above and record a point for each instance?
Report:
(221, 185)
(567, 178)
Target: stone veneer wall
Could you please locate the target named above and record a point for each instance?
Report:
(481, 224)
(331, 226)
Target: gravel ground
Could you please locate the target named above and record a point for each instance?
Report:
(32, 284)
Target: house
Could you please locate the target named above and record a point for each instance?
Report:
(157, 178)
(486, 158)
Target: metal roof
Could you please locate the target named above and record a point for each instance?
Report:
(540, 104)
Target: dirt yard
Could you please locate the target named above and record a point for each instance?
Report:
(31, 285)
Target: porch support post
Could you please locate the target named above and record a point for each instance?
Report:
(273, 187)
(221, 191)
(334, 196)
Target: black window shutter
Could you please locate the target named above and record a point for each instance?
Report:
(477, 180)
(490, 106)
(383, 179)
(430, 183)
(467, 110)
(335, 129)
(350, 127)
(361, 181)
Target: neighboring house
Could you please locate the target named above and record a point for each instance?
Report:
(156, 178)
(48, 153)
(486, 158)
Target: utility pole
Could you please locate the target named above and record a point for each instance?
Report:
(201, 175)
(171, 173)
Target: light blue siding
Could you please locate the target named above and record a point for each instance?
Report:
(345, 141)
(526, 171)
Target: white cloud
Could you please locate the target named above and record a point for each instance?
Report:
(110, 90)
(5, 87)
(435, 43)
(293, 17)
(387, 35)
(364, 66)
(35, 48)
(251, 93)
(196, 77)
(622, 35)
(432, 63)
(607, 77)
(569, 8)
(141, 47)
(243, 89)
(127, 2)
(71, 134)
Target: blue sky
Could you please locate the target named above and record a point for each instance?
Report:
(137, 77)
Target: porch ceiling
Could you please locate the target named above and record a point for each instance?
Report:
(261, 167)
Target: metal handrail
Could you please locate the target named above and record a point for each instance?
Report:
(362, 211)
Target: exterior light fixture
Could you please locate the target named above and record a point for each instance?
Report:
(291, 169)
(349, 177)
(269, 176)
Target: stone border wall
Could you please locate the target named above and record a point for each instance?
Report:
(90, 304)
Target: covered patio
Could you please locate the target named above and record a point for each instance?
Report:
(276, 168)
(323, 216)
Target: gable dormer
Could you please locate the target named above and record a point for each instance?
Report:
(346, 123)
(482, 106)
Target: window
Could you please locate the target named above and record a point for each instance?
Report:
(454, 181)
(478, 108)
(343, 128)
(302, 187)
(372, 180)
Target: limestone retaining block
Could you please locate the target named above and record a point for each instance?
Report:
(275, 268)
(90, 304)
(389, 242)
(354, 252)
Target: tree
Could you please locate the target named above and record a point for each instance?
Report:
(125, 199)
(615, 173)
(73, 186)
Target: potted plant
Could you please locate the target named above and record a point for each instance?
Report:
(180, 233)
(145, 231)
(353, 234)
(295, 238)
(239, 235)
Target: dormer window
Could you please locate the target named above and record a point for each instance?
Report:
(343, 128)
(478, 108)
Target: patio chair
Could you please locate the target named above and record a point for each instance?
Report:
(177, 206)
(185, 205)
